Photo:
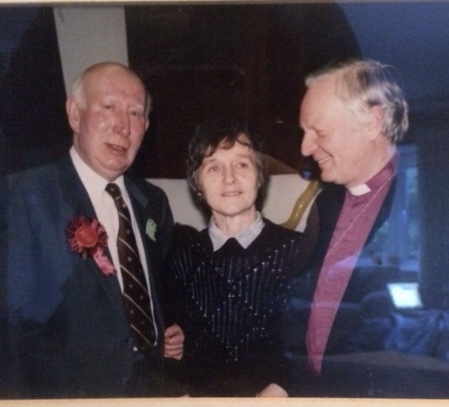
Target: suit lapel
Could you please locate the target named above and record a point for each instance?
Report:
(143, 213)
(75, 195)
(77, 203)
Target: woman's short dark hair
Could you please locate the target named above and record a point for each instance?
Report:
(224, 133)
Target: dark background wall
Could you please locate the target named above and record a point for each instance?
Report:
(248, 60)
(245, 60)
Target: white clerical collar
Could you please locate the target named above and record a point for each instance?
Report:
(245, 237)
(359, 190)
(94, 183)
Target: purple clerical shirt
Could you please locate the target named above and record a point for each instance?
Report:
(359, 211)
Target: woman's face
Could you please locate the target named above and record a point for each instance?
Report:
(229, 181)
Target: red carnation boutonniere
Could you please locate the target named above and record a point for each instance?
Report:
(88, 237)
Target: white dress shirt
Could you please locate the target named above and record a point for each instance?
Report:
(107, 213)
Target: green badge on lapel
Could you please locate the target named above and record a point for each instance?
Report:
(150, 229)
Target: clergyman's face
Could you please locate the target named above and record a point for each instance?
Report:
(333, 136)
(109, 121)
(229, 181)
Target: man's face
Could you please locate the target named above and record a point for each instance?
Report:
(109, 121)
(340, 144)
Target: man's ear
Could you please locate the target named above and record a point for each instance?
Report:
(147, 124)
(73, 113)
(377, 121)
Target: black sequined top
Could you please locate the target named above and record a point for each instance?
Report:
(232, 305)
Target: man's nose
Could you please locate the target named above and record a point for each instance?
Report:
(123, 123)
(308, 145)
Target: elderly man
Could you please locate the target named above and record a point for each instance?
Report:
(353, 115)
(355, 342)
(83, 245)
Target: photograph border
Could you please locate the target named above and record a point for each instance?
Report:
(207, 402)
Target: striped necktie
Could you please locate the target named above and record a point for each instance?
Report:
(135, 289)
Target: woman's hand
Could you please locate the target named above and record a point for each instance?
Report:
(174, 342)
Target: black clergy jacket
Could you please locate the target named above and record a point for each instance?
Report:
(372, 344)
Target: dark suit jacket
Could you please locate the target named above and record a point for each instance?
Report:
(66, 330)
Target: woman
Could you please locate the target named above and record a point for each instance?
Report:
(229, 283)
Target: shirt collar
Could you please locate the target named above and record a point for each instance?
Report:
(94, 183)
(379, 179)
(245, 237)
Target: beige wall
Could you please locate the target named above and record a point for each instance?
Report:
(89, 34)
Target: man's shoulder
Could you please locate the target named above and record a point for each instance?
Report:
(186, 235)
(145, 187)
(330, 189)
(277, 231)
(34, 177)
(330, 196)
(143, 183)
